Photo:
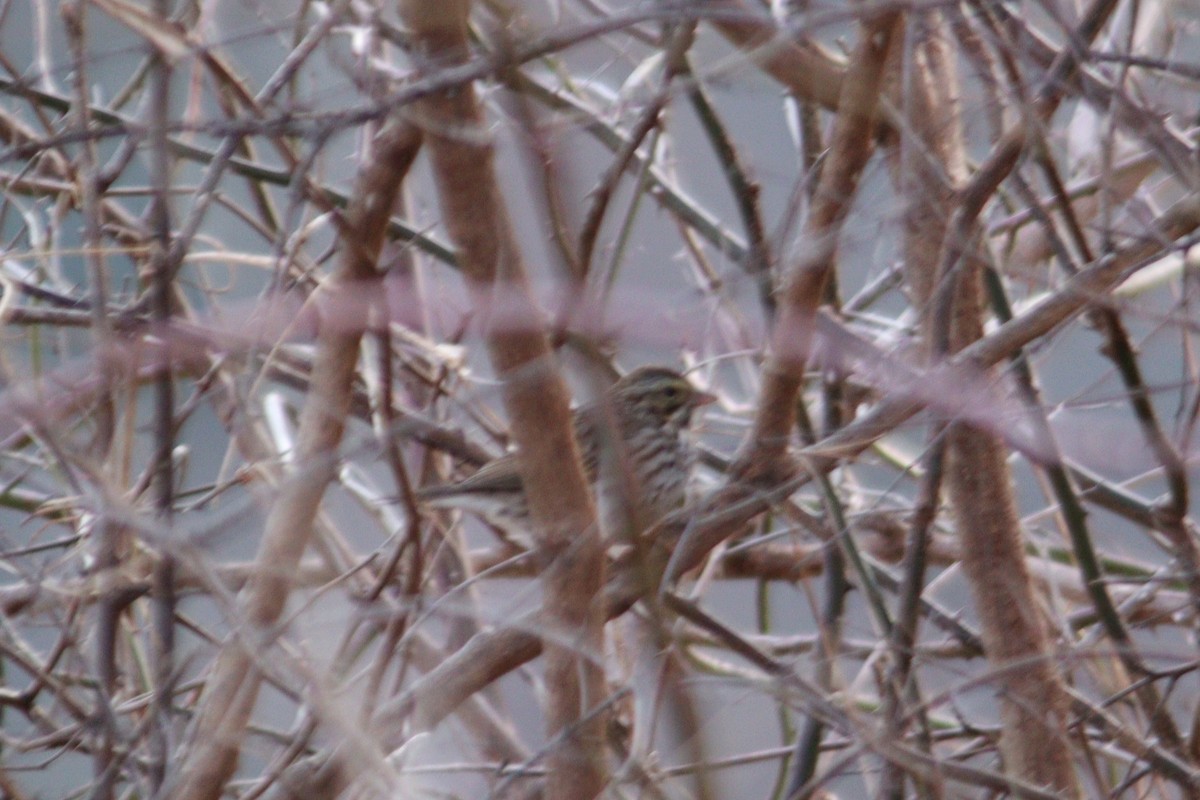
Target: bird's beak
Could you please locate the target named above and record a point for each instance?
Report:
(703, 399)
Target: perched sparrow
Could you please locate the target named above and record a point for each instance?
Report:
(648, 411)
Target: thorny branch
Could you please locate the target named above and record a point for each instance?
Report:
(222, 577)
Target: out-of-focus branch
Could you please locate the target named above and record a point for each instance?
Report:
(1086, 287)
(232, 686)
(803, 289)
(161, 270)
(763, 458)
(945, 270)
(534, 397)
(802, 66)
(1032, 700)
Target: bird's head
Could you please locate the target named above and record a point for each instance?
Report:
(660, 393)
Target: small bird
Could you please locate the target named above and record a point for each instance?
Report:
(647, 412)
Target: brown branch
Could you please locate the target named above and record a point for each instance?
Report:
(1089, 284)
(534, 397)
(803, 67)
(232, 686)
(804, 287)
(942, 267)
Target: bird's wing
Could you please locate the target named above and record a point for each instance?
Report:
(496, 476)
(501, 474)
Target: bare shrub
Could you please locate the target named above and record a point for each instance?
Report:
(273, 272)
